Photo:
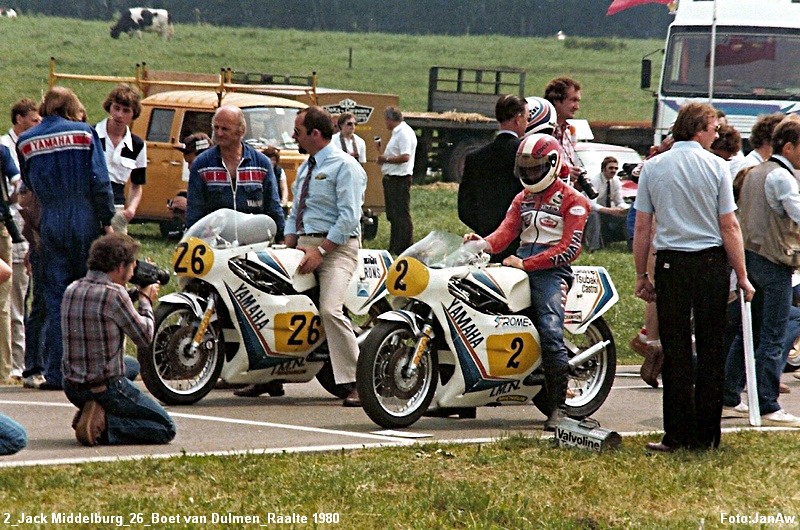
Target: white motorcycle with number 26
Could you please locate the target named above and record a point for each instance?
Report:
(465, 338)
(244, 313)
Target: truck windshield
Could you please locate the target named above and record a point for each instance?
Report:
(757, 63)
(270, 126)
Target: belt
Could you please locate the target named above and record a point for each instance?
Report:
(315, 234)
(99, 386)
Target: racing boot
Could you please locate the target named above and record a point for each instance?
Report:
(557, 395)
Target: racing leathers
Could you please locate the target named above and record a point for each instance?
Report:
(253, 191)
(62, 161)
(550, 225)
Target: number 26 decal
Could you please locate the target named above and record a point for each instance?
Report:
(192, 258)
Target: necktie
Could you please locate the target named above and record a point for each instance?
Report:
(301, 204)
(608, 193)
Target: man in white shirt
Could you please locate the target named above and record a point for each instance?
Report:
(607, 220)
(397, 168)
(126, 153)
(24, 115)
(347, 140)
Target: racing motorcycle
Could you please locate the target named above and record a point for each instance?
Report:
(244, 313)
(465, 338)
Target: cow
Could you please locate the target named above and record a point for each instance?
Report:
(138, 19)
(8, 12)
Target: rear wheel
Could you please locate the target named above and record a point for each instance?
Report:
(171, 371)
(391, 396)
(589, 383)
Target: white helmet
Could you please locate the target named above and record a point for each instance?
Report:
(542, 117)
(538, 162)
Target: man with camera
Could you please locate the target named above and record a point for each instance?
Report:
(96, 313)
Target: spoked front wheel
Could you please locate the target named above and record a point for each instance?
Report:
(171, 370)
(393, 396)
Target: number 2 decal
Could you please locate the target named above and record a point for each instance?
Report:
(517, 344)
(399, 282)
(300, 320)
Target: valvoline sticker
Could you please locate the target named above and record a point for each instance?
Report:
(577, 210)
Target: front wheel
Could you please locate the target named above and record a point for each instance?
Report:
(390, 395)
(589, 383)
(171, 371)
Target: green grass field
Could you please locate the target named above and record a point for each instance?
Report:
(396, 64)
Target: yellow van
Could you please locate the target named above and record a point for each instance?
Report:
(169, 116)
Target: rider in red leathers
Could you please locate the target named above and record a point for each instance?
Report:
(549, 216)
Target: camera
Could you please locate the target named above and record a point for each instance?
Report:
(146, 273)
(586, 185)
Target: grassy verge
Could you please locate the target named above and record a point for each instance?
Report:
(518, 482)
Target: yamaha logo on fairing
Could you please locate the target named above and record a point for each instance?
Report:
(247, 302)
(462, 321)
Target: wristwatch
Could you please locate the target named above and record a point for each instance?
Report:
(322, 251)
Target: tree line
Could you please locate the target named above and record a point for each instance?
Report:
(520, 18)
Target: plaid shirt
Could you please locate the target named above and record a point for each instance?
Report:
(96, 313)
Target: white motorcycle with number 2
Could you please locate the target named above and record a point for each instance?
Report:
(465, 338)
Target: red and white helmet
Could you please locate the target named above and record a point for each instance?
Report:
(542, 117)
(538, 162)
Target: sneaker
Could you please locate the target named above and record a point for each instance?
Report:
(33, 381)
(739, 411)
(780, 418)
(796, 375)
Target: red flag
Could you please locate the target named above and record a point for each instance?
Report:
(618, 5)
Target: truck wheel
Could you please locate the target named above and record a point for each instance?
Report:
(454, 167)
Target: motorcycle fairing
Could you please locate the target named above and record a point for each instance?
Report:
(482, 348)
(368, 284)
(507, 284)
(284, 263)
(262, 335)
(592, 294)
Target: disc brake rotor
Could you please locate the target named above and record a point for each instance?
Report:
(399, 385)
(182, 364)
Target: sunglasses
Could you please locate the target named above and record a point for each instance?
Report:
(351, 123)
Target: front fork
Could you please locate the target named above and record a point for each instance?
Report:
(203, 326)
(423, 341)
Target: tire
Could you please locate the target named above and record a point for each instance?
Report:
(327, 381)
(591, 382)
(389, 398)
(454, 168)
(168, 371)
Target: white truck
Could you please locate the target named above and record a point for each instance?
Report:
(752, 69)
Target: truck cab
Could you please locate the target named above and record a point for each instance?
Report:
(752, 68)
(171, 115)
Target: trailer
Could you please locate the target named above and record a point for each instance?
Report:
(460, 116)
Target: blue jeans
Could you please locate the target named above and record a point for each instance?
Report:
(771, 308)
(547, 287)
(131, 417)
(13, 437)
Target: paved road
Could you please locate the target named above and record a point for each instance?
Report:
(307, 419)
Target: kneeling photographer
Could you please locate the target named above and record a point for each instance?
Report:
(96, 313)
